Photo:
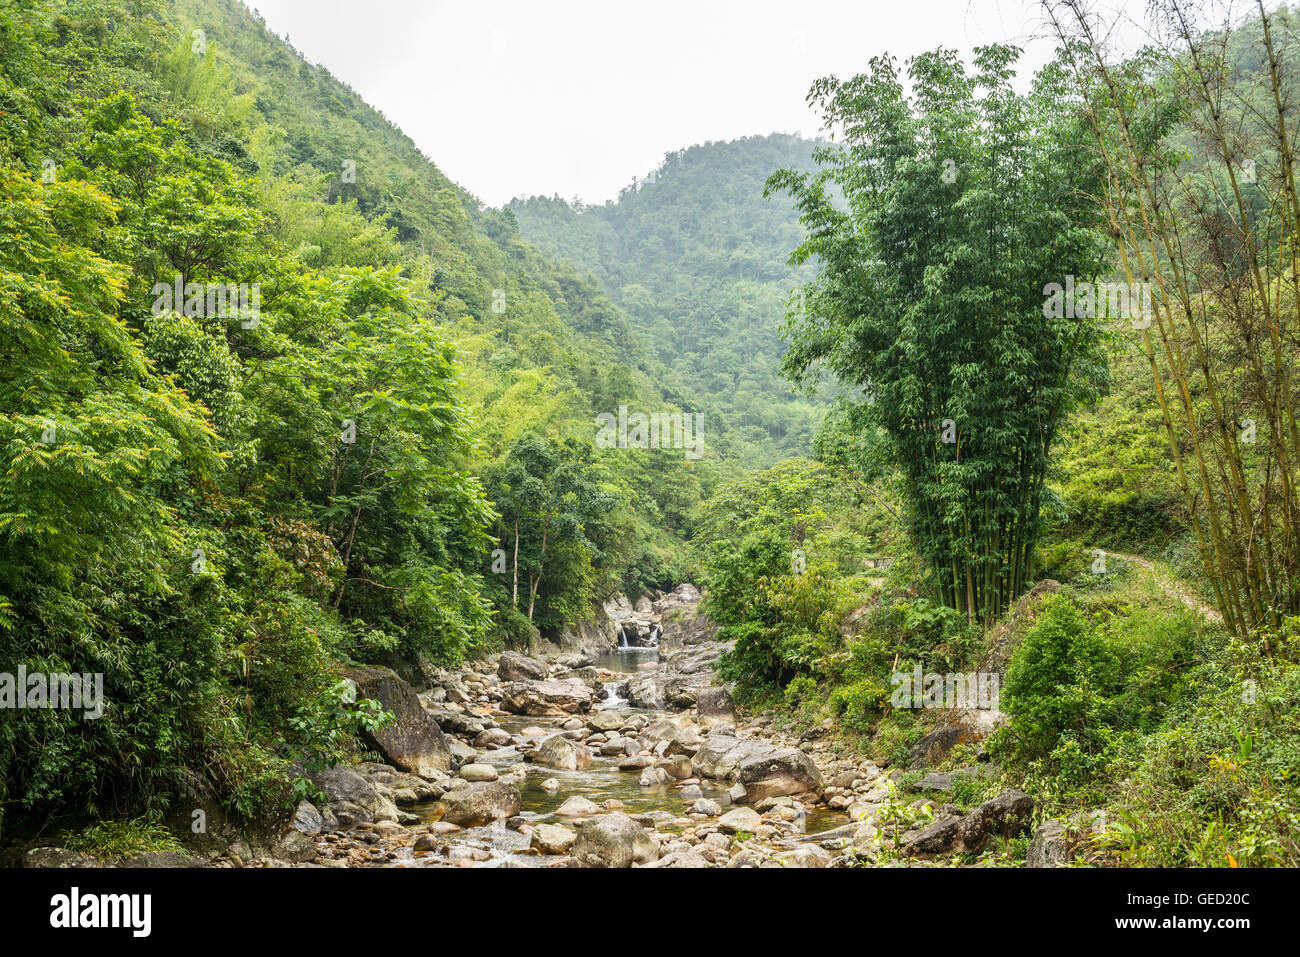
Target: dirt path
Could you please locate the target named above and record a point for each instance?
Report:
(1171, 587)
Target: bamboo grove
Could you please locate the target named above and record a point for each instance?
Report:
(959, 204)
(1195, 140)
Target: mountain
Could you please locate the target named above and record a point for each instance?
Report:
(697, 258)
(217, 509)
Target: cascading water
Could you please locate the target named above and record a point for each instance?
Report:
(613, 699)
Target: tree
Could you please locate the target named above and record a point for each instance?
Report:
(1197, 139)
(550, 504)
(938, 221)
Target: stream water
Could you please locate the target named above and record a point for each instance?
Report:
(600, 781)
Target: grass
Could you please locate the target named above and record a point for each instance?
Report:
(109, 840)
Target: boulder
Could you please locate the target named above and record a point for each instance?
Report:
(481, 802)
(295, 847)
(552, 839)
(553, 697)
(643, 692)
(559, 752)
(412, 741)
(157, 859)
(307, 819)
(1049, 846)
(614, 840)
(740, 819)
(679, 740)
(461, 752)
(1007, 815)
(938, 837)
(478, 772)
(681, 859)
(577, 806)
(351, 798)
(764, 769)
(653, 778)
(715, 705)
(606, 721)
(493, 738)
(807, 855)
(512, 666)
(57, 857)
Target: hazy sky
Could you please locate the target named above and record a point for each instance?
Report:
(577, 97)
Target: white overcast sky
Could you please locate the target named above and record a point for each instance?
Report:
(577, 97)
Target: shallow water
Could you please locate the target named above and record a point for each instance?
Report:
(628, 660)
(600, 781)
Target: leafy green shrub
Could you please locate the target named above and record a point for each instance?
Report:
(108, 840)
(859, 704)
(895, 736)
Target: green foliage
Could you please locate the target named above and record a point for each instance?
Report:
(782, 567)
(1080, 684)
(929, 300)
(327, 726)
(696, 257)
(214, 512)
(110, 840)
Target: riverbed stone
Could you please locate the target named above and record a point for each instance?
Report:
(493, 738)
(1049, 846)
(653, 777)
(577, 806)
(562, 754)
(614, 840)
(512, 666)
(606, 721)
(679, 859)
(478, 772)
(552, 839)
(554, 697)
(1007, 815)
(412, 741)
(740, 819)
(475, 803)
(715, 706)
(307, 818)
(806, 855)
(351, 798)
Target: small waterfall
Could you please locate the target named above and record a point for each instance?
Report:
(622, 637)
(613, 699)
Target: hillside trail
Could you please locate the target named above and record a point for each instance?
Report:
(1171, 587)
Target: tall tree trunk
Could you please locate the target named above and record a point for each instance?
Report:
(514, 593)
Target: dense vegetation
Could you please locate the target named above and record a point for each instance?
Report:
(697, 257)
(215, 507)
(1124, 689)
(960, 375)
(387, 450)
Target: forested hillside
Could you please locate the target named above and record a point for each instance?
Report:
(211, 507)
(697, 257)
(800, 453)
